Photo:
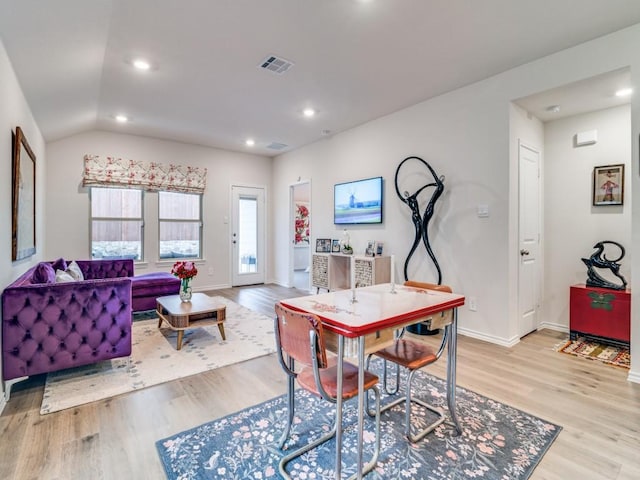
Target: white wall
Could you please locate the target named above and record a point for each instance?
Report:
(68, 202)
(465, 135)
(15, 112)
(573, 224)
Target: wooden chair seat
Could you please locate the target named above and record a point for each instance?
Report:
(408, 353)
(329, 380)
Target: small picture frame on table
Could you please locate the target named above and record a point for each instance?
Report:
(335, 246)
(608, 185)
(323, 245)
(379, 248)
(371, 249)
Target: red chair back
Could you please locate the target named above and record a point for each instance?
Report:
(294, 334)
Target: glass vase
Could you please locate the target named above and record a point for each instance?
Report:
(185, 291)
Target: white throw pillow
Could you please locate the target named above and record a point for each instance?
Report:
(63, 277)
(74, 270)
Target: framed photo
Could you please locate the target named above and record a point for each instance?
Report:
(335, 246)
(371, 249)
(379, 248)
(323, 245)
(23, 200)
(608, 185)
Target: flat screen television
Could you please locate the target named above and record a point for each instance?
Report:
(358, 202)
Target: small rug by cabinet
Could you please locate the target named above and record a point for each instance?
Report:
(154, 358)
(498, 441)
(581, 347)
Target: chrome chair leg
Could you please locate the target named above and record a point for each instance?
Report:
(291, 411)
(367, 467)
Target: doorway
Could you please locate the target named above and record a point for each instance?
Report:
(300, 237)
(247, 235)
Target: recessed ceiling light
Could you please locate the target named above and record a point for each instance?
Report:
(122, 118)
(141, 64)
(553, 108)
(250, 142)
(308, 112)
(624, 92)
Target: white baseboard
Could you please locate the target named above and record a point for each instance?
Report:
(554, 326)
(634, 377)
(504, 342)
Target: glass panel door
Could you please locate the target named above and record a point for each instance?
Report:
(247, 235)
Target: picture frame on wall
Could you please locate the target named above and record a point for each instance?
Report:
(608, 185)
(335, 246)
(323, 245)
(23, 200)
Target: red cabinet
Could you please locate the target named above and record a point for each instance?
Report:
(600, 313)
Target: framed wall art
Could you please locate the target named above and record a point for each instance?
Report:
(23, 199)
(323, 245)
(608, 185)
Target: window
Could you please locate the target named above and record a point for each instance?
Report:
(180, 224)
(116, 223)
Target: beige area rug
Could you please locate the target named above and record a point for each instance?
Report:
(154, 358)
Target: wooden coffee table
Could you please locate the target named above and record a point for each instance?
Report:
(201, 311)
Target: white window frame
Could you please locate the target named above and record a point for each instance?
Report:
(197, 221)
(121, 219)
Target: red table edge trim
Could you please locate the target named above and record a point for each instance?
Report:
(382, 324)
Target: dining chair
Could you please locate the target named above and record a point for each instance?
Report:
(300, 338)
(413, 355)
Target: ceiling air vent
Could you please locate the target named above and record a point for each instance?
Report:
(277, 146)
(276, 65)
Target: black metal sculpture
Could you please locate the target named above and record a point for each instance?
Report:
(421, 222)
(599, 260)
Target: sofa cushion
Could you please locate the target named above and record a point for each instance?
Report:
(156, 284)
(63, 277)
(59, 264)
(74, 270)
(43, 273)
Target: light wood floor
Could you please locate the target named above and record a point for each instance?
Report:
(115, 438)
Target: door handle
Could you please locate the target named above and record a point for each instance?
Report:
(524, 252)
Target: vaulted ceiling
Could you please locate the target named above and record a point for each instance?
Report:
(352, 60)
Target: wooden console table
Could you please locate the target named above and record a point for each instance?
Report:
(600, 313)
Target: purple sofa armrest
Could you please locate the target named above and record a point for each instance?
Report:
(92, 269)
(49, 327)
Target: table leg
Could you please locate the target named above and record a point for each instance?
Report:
(361, 394)
(221, 328)
(159, 321)
(452, 347)
(339, 408)
(179, 342)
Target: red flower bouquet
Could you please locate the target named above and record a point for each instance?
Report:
(185, 271)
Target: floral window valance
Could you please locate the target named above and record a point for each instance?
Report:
(119, 172)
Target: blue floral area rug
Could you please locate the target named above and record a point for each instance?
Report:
(498, 442)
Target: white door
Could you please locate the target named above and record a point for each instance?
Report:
(247, 235)
(529, 276)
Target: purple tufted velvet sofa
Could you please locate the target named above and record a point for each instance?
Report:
(52, 326)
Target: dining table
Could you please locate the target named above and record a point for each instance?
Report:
(364, 319)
